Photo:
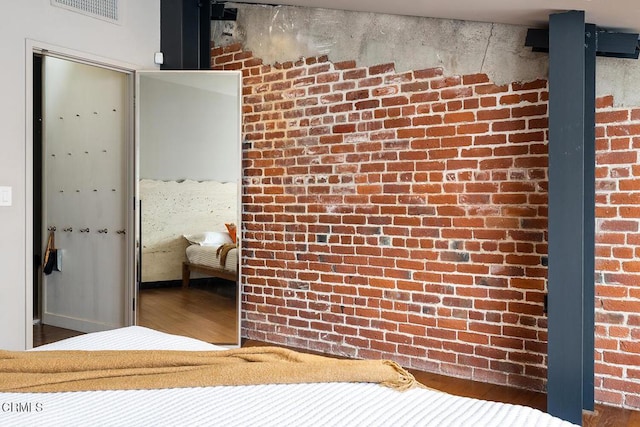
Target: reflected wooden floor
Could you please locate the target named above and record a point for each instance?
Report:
(46, 334)
(193, 312)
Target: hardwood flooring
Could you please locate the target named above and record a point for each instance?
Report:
(203, 313)
(46, 334)
(200, 313)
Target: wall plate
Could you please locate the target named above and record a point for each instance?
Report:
(5, 196)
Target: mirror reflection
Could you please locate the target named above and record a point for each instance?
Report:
(189, 178)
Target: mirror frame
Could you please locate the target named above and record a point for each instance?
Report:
(137, 250)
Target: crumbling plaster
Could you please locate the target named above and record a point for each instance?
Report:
(287, 33)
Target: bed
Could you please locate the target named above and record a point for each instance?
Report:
(213, 257)
(348, 404)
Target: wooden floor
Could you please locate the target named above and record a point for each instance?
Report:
(46, 334)
(198, 313)
(204, 314)
(604, 416)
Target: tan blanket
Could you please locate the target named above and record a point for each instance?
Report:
(74, 370)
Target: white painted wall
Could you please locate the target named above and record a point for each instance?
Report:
(189, 162)
(134, 42)
(187, 126)
(172, 209)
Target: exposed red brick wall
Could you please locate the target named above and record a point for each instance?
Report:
(617, 255)
(404, 216)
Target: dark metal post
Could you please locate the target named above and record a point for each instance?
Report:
(573, 47)
(171, 34)
(179, 34)
(205, 35)
(567, 225)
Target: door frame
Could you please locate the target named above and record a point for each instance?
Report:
(33, 47)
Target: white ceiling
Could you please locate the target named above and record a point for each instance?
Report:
(621, 15)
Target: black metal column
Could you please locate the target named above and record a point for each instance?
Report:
(569, 167)
(204, 51)
(181, 32)
(573, 47)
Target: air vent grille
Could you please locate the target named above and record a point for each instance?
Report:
(106, 10)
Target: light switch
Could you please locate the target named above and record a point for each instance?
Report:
(5, 196)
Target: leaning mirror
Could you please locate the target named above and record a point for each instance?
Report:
(189, 178)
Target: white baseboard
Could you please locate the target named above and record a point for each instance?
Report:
(81, 325)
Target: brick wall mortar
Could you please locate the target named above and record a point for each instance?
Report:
(404, 216)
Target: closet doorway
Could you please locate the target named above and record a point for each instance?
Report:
(87, 160)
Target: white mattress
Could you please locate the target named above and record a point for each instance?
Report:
(206, 255)
(335, 404)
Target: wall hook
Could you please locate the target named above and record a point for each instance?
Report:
(68, 229)
(103, 231)
(84, 230)
(52, 228)
(121, 231)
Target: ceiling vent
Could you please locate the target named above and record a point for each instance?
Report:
(107, 10)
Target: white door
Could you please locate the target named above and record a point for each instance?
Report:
(87, 157)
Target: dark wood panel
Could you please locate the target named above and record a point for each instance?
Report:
(46, 334)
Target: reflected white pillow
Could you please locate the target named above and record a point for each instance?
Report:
(209, 238)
